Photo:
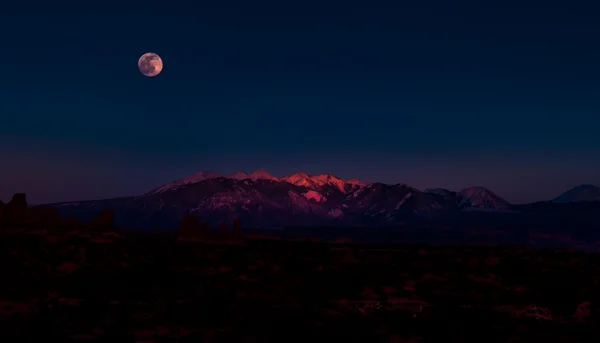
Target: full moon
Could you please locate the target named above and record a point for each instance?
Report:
(150, 64)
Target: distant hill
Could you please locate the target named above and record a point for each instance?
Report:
(579, 193)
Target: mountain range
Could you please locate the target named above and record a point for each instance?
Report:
(262, 200)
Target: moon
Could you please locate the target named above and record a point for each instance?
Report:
(150, 64)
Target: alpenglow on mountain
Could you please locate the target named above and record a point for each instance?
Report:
(262, 200)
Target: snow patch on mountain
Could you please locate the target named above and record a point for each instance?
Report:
(294, 178)
(328, 179)
(314, 195)
(406, 197)
(335, 213)
(219, 201)
(319, 180)
(299, 203)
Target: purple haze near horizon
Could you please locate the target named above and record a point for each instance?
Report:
(75, 175)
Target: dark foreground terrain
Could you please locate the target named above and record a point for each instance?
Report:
(77, 286)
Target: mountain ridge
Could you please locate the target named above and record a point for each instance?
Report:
(584, 192)
(301, 178)
(265, 201)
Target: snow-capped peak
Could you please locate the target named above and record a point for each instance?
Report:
(262, 174)
(319, 180)
(239, 175)
(328, 179)
(481, 197)
(298, 179)
(194, 178)
(294, 178)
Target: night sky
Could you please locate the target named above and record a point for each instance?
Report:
(441, 95)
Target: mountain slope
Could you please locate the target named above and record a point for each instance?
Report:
(262, 200)
(199, 176)
(482, 198)
(579, 193)
(262, 175)
(442, 192)
(239, 175)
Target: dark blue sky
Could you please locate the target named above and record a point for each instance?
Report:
(440, 95)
